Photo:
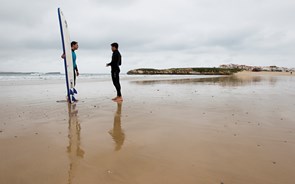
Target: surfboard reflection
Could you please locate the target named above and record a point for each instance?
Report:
(117, 133)
(74, 150)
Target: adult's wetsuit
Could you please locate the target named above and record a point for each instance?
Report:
(115, 63)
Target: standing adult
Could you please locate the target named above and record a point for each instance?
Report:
(115, 71)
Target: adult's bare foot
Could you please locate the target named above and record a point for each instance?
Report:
(119, 99)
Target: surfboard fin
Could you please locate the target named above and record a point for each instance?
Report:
(75, 91)
(71, 92)
(74, 99)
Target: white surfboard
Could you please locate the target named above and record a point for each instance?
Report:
(68, 60)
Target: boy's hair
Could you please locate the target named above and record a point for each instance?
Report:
(116, 45)
(73, 43)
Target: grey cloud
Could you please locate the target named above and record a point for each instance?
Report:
(151, 34)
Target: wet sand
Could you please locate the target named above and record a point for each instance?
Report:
(238, 129)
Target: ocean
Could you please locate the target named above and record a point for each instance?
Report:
(8, 76)
(27, 76)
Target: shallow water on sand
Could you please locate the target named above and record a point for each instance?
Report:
(238, 129)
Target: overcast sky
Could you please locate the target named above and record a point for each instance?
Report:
(155, 34)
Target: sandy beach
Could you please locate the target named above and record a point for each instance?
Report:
(169, 130)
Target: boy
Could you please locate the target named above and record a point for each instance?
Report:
(74, 46)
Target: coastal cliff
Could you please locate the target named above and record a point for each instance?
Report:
(183, 71)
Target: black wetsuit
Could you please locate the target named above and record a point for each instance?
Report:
(115, 63)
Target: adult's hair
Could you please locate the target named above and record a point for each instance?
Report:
(116, 45)
(73, 43)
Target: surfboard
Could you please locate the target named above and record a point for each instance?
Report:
(68, 60)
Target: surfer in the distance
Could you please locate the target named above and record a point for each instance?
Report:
(115, 71)
(74, 47)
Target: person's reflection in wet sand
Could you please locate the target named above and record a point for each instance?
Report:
(74, 150)
(117, 133)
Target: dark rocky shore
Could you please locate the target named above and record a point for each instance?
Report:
(183, 71)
